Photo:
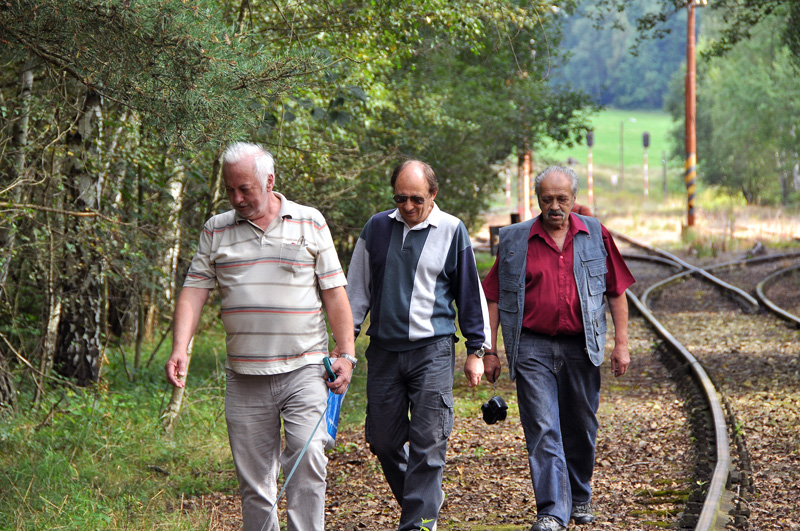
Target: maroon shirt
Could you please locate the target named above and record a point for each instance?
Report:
(552, 305)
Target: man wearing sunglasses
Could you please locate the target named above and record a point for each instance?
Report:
(409, 266)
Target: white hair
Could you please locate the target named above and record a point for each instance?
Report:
(263, 165)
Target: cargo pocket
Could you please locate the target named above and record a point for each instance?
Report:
(447, 414)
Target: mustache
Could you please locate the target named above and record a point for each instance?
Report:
(551, 213)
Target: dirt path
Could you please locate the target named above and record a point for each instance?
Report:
(643, 454)
(487, 481)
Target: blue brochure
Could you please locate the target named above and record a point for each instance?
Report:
(332, 418)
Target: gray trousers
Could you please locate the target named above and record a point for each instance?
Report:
(254, 407)
(409, 418)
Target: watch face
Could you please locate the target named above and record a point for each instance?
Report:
(480, 352)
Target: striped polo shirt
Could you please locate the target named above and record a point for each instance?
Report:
(269, 283)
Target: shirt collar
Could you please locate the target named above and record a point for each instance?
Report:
(289, 209)
(575, 225)
(433, 219)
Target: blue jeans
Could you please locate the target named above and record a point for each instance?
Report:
(409, 418)
(558, 388)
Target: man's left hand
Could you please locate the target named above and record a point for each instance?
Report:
(620, 359)
(473, 369)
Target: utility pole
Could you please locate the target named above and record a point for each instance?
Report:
(590, 169)
(621, 160)
(646, 143)
(690, 165)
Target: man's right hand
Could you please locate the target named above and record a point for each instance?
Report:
(492, 367)
(176, 369)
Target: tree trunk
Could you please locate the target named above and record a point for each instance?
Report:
(79, 348)
(7, 391)
(19, 141)
(783, 172)
(50, 335)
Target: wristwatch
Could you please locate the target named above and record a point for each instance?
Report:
(349, 358)
(478, 353)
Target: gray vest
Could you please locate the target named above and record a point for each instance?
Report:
(590, 276)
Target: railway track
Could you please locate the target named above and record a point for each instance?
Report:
(667, 286)
(657, 457)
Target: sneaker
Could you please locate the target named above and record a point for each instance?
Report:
(582, 513)
(548, 523)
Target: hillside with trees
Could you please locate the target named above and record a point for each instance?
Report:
(606, 60)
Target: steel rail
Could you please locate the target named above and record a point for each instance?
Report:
(751, 303)
(650, 258)
(712, 506)
(755, 260)
(774, 308)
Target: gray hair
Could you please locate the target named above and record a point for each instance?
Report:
(551, 170)
(263, 164)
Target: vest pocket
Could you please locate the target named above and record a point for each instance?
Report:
(508, 301)
(599, 327)
(597, 276)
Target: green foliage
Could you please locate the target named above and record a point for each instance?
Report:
(484, 261)
(98, 186)
(737, 20)
(747, 108)
(178, 66)
(457, 85)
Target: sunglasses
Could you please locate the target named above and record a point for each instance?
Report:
(400, 199)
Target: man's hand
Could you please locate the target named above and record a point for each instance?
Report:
(343, 371)
(176, 369)
(620, 359)
(473, 369)
(492, 367)
(187, 314)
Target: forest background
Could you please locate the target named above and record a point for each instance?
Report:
(114, 115)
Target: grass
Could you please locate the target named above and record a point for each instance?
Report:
(98, 458)
(606, 161)
(89, 459)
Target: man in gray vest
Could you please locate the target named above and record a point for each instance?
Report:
(546, 290)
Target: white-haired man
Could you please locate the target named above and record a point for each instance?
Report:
(275, 264)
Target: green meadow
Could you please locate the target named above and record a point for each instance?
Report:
(630, 125)
(608, 125)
